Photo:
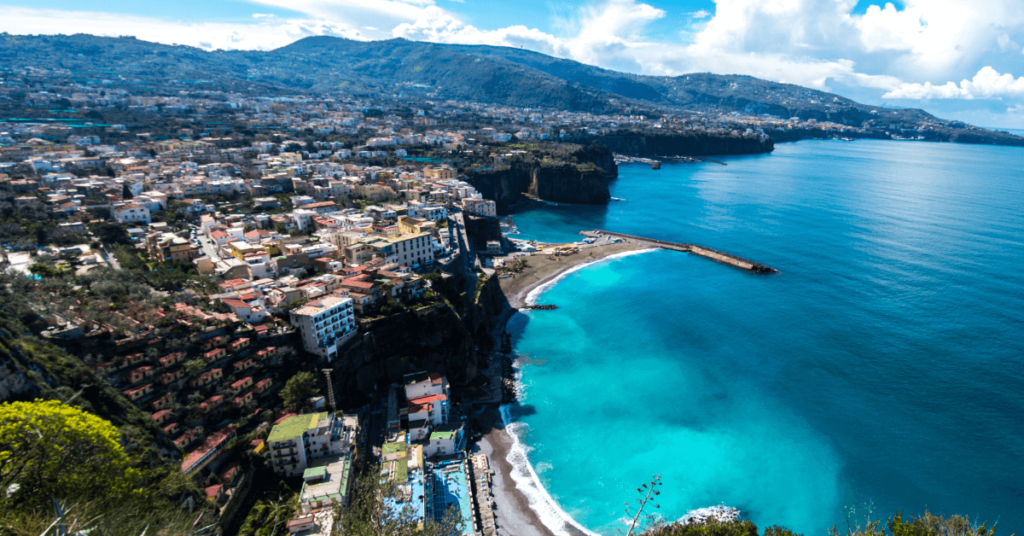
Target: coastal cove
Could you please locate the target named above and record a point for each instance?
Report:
(882, 366)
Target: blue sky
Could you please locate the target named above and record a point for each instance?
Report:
(955, 58)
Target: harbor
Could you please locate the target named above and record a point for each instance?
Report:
(713, 254)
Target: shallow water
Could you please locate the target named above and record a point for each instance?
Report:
(884, 365)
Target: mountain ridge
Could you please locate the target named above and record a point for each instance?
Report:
(475, 73)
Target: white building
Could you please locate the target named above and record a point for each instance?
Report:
(325, 324)
(446, 440)
(297, 441)
(131, 213)
(480, 207)
(408, 249)
(428, 403)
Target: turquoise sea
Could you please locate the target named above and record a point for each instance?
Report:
(882, 370)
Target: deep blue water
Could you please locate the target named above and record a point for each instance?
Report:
(884, 365)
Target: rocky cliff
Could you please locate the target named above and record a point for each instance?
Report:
(433, 339)
(583, 177)
(482, 230)
(688, 144)
(453, 338)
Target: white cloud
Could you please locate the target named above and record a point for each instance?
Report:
(1005, 43)
(383, 14)
(897, 51)
(263, 34)
(988, 83)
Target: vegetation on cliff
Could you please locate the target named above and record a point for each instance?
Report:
(552, 171)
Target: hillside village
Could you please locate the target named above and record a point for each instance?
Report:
(199, 274)
(201, 250)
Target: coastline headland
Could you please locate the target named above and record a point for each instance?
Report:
(713, 254)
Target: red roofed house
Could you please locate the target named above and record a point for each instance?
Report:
(244, 365)
(214, 354)
(302, 523)
(171, 359)
(207, 378)
(263, 385)
(261, 331)
(229, 475)
(138, 392)
(256, 236)
(169, 377)
(211, 403)
(431, 408)
(237, 386)
(163, 401)
(215, 493)
(161, 416)
(252, 314)
(244, 399)
(239, 344)
(219, 237)
(202, 456)
(140, 374)
(133, 359)
(234, 285)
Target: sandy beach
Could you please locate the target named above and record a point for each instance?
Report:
(512, 508)
(544, 268)
(513, 515)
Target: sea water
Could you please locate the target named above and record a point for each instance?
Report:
(881, 370)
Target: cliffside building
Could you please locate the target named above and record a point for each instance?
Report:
(325, 324)
(297, 442)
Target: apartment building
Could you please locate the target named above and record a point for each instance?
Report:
(325, 324)
(297, 442)
(480, 207)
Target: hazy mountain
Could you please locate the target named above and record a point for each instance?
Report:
(475, 73)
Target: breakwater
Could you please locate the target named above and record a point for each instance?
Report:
(713, 254)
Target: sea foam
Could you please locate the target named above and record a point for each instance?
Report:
(523, 473)
(529, 484)
(531, 297)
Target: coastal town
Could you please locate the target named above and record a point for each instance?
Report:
(297, 303)
(227, 280)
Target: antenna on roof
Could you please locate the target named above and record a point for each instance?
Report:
(330, 388)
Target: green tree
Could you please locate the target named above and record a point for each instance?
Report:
(299, 389)
(50, 449)
(111, 233)
(194, 366)
(270, 517)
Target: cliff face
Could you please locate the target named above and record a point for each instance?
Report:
(584, 182)
(688, 144)
(432, 339)
(481, 230)
(454, 342)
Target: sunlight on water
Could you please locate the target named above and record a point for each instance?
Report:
(894, 328)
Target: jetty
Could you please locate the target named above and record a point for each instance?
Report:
(706, 252)
(540, 307)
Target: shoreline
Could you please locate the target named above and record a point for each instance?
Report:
(543, 271)
(514, 514)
